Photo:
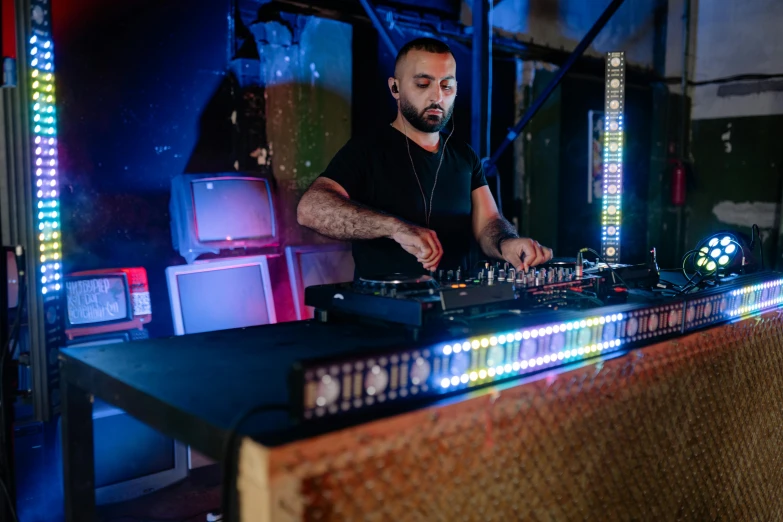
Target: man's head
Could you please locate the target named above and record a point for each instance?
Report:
(425, 83)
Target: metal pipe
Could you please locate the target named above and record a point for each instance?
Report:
(490, 164)
(481, 84)
(480, 80)
(684, 116)
(370, 10)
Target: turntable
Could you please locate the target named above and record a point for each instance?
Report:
(397, 282)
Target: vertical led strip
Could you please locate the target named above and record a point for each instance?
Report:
(613, 157)
(44, 146)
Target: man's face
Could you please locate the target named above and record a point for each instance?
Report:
(428, 88)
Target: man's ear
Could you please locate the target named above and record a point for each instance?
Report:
(394, 87)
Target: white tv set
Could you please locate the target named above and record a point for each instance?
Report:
(131, 459)
(220, 294)
(317, 265)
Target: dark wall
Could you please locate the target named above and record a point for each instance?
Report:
(143, 97)
(561, 217)
(737, 181)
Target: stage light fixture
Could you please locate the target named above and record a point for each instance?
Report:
(614, 104)
(722, 253)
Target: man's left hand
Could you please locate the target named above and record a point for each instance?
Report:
(523, 252)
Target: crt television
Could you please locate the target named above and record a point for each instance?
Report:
(107, 300)
(210, 213)
(131, 459)
(220, 294)
(317, 265)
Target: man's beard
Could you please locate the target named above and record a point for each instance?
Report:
(425, 122)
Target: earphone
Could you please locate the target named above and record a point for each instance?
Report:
(394, 88)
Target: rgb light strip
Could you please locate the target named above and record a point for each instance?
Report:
(355, 383)
(613, 157)
(44, 146)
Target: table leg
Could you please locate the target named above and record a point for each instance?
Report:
(78, 454)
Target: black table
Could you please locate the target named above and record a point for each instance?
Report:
(191, 388)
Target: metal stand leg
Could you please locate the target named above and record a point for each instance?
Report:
(78, 454)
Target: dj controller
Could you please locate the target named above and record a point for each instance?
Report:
(496, 326)
(426, 300)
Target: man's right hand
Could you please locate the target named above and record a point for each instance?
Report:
(421, 242)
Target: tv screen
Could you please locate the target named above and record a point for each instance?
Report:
(13, 280)
(95, 300)
(232, 209)
(223, 298)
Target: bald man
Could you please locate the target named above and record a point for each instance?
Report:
(409, 197)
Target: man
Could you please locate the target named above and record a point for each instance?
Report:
(407, 196)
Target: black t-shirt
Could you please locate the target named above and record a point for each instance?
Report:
(375, 170)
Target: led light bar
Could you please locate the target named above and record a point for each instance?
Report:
(44, 146)
(736, 304)
(613, 157)
(354, 383)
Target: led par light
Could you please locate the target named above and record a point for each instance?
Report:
(723, 252)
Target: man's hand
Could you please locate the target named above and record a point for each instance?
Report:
(523, 252)
(421, 242)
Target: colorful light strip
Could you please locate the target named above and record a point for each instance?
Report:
(752, 299)
(613, 157)
(44, 146)
(479, 360)
(733, 305)
(518, 351)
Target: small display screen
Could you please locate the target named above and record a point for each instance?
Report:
(94, 300)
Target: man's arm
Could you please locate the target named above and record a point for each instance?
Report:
(498, 238)
(489, 227)
(327, 208)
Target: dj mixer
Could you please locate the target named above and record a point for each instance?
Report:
(426, 300)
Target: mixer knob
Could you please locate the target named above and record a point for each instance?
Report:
(450, 275)
(511, 275)
(501, 275)
(440, 274)
(459, 274)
